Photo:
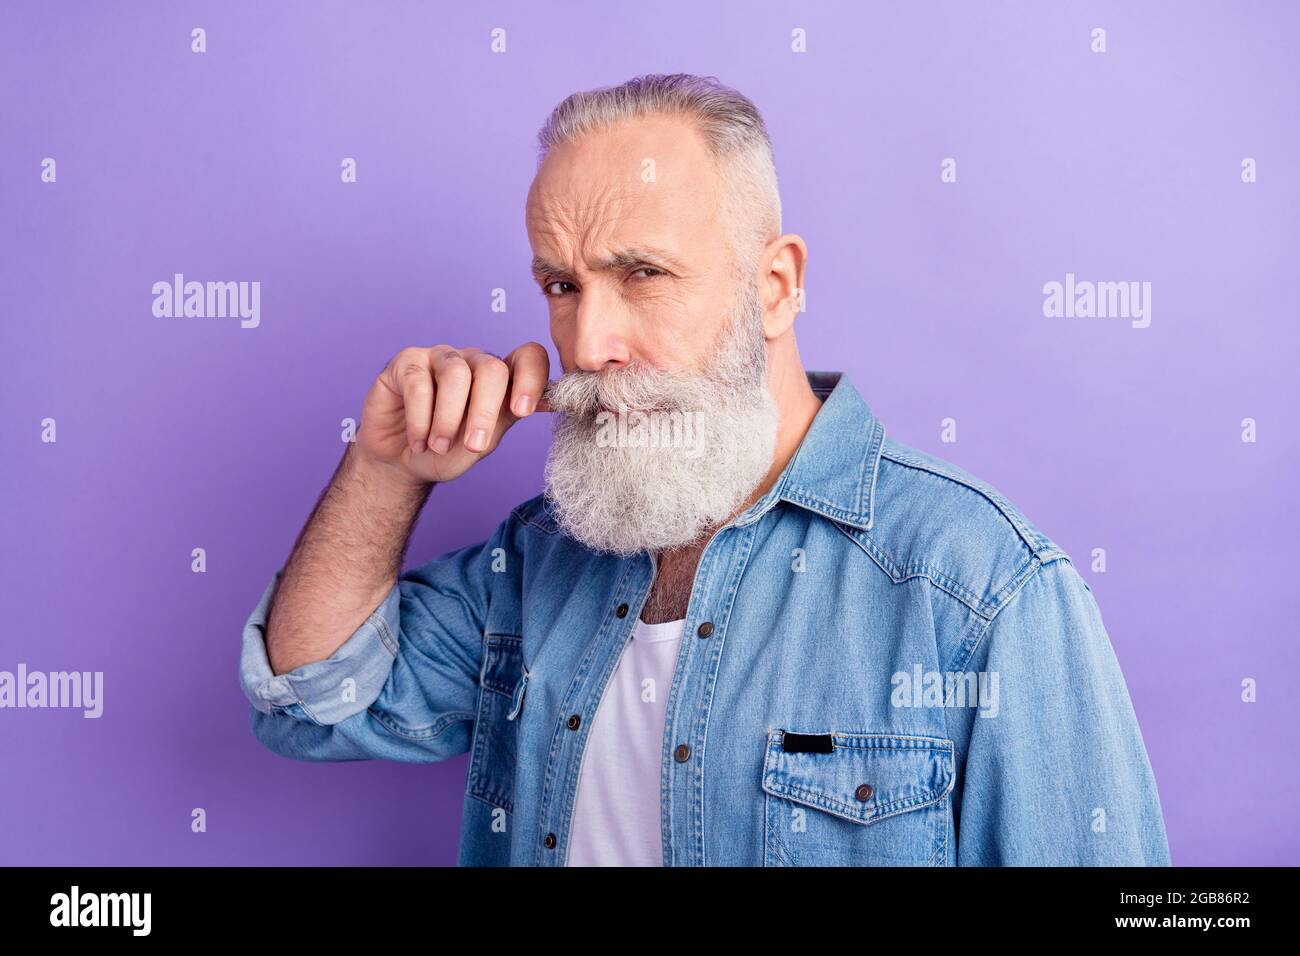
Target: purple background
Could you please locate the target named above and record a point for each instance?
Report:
(183, 433)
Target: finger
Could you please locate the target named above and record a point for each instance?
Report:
(412, 380)
(529, 367)
(452, 378)
(486, 396)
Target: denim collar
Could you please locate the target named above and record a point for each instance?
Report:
(833, 471)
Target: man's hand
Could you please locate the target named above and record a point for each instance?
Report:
(432, 413)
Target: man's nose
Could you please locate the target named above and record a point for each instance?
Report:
(600, 336)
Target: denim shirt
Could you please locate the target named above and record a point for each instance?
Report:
(883, 663)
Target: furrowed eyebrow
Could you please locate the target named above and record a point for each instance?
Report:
(543, 267)
(623, 259)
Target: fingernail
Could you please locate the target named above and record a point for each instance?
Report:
(441, 444)
(523, 405)
(418, 446)
(477, 440)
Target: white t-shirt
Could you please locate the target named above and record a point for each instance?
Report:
(616, 810)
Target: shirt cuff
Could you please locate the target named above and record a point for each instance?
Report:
(329, 690)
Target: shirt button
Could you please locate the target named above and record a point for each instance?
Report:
(705, 629)
(549, 842)
(682, 753)
(574, 721)
(621, 610)
(863, 792)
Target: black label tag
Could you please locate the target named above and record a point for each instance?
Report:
(807, 743)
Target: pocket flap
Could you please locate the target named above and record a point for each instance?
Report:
(864, 777)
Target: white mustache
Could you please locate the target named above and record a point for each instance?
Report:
(639, 386)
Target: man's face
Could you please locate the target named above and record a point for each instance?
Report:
(626, 227)
(665, 423)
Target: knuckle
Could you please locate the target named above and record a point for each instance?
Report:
(408, 363)
(454, 373)
(408, 356)
(413, 374)
(533, 352)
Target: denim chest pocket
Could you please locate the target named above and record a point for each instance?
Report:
(492, 755)
(870, 800)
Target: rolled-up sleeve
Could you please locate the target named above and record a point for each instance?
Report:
(326, 691)
(403, 686)
(1055, 770)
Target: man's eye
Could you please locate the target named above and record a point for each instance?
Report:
(651, 269)
(546, 289)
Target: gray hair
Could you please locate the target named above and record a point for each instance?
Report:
(732, 129)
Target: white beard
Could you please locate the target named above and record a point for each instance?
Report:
(612, 489)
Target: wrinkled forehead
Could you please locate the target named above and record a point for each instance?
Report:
(643, 180)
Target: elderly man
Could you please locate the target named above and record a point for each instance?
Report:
(740, 626)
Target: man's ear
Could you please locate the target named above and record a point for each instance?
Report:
(781, 282)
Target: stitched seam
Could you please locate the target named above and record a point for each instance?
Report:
(987, 493)
(898, 575)
(880, 557)
(567, 794)
(537, 518)
(942, 849)
(1001, 595)
(967, 644)
(949, 584)
(862, 475)
(509, 809)
(435, 729)
(1024, 579)
(308, 711)
(886, 810)
(778, 847)
(385, 633)
(819, 504)
(710, 675)
(875, 472)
